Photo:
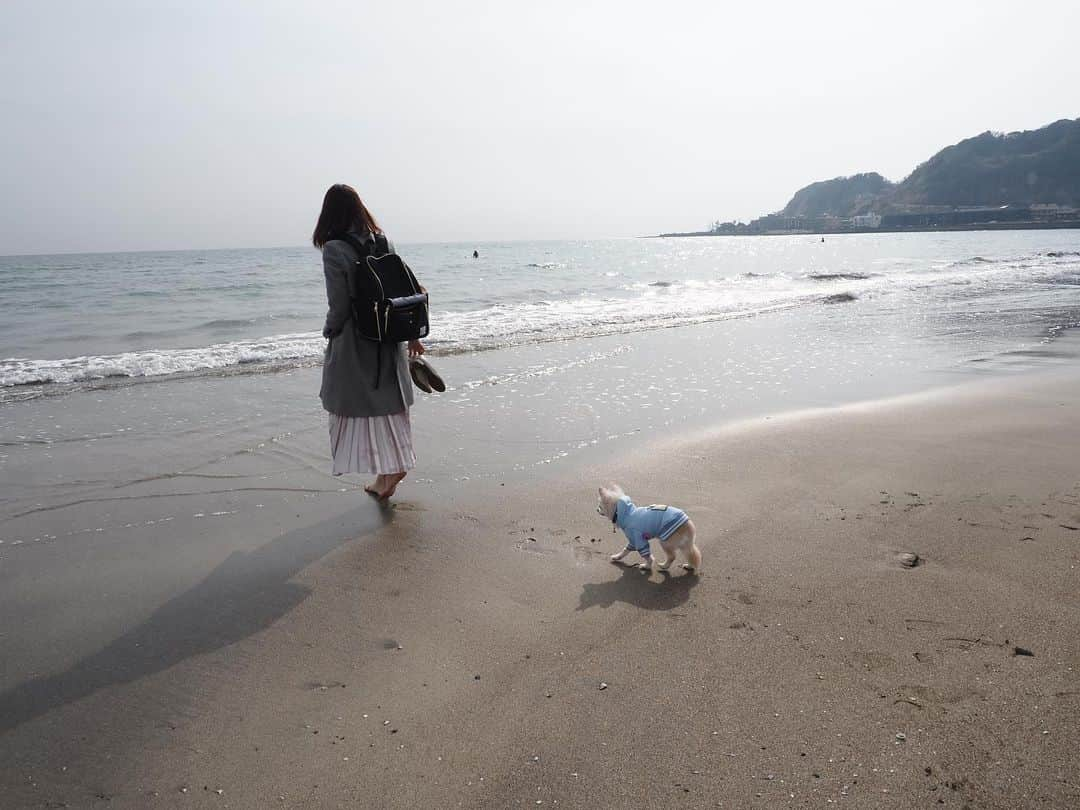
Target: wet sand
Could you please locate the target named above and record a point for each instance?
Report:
(473, 646)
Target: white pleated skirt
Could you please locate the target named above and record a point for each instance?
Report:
(372, 444)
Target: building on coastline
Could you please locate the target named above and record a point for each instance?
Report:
(907, 218)
(1052, 212)
(959, 217)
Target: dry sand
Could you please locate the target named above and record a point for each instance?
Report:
(455, 654)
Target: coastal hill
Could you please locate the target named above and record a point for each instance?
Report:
(991, 169)
(1027, 179)
(1021, 168)
(851, 195)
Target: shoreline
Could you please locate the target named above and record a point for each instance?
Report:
(987, 226)
(478, 622)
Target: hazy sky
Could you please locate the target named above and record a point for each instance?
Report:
(145, 125)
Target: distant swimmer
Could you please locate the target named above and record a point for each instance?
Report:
(476, 254)
(823, 239)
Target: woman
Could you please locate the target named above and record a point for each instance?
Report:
(369, 410)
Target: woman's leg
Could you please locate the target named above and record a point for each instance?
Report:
(395, 451)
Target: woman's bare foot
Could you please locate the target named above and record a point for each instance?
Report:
(376, 487)
(390, 483)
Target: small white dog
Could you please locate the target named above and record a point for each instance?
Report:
(671, 526)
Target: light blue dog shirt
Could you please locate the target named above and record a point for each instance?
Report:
(642, 523)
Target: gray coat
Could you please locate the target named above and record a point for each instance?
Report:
(348, 378)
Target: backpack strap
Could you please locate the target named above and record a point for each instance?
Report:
(382, 245)
(378, 246)
(362, 247)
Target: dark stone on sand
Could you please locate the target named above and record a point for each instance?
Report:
(909, 559)
(1023, 651)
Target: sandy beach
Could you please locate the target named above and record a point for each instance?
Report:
(473, 646)
(861, 383)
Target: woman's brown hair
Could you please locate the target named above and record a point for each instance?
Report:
(342, 210)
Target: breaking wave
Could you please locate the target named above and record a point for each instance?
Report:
(160, 362)
(566, 308)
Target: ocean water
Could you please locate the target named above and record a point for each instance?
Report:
(68, 322)
(127, 378)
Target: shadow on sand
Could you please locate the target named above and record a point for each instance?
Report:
(249, 591)
(635, 588)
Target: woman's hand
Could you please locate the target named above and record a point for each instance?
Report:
(416, 348)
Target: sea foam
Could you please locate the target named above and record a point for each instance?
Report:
(158, 362)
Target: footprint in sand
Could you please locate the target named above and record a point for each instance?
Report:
(872, 661)
(583, 554)
(530, 546)
(918, 695)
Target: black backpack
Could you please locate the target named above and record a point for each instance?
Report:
(388, 305)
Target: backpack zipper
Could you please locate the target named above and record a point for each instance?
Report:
(382, 292)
